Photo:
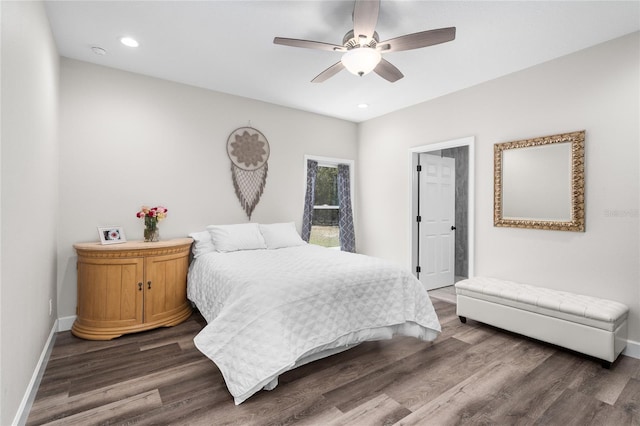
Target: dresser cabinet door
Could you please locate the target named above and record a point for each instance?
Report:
(109, 292)
(165, 287)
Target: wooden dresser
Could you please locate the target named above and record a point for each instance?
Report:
(131, 287)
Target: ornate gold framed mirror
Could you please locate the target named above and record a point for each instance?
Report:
(539, 183)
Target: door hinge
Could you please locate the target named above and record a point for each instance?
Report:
(418, 218)
(419, 168)
(418, 269)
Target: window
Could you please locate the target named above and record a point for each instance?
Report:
(325, 228)
(324, 225)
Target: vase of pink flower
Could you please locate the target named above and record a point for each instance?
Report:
(151, 217)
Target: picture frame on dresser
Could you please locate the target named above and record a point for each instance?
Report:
(111, 234)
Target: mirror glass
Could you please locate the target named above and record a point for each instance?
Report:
(539, 183)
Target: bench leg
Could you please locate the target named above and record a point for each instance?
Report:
(463, 319)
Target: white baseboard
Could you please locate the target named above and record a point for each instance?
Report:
(632, 349)
(65, 323)
(30, 394)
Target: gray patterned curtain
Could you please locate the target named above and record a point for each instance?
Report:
(309, 198)
(345, 222)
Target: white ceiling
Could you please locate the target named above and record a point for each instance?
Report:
(227, 46)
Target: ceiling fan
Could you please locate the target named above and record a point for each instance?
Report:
(362, 49)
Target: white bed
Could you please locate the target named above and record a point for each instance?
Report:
(270, 310)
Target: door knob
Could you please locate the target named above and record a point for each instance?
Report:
(453, 228)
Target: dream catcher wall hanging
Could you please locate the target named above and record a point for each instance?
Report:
(248, 151)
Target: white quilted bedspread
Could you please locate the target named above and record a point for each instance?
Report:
(267, 309)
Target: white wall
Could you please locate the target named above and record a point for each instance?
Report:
(597, 90)
(29, 196)
(127, 140)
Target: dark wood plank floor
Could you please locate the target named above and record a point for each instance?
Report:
(472, 374)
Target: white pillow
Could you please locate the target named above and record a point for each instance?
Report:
(243, 236)
(280, 235)
(202, 243)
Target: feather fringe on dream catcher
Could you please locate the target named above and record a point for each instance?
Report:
(248, 151)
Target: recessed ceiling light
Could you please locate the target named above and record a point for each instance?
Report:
(363, 106)
(130, 42)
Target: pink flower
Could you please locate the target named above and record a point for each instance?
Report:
(158, 213)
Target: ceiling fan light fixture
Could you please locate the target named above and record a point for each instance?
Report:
(361, 60)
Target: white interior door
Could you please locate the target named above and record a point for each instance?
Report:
(437, 226)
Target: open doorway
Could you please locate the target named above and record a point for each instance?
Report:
(434, 261)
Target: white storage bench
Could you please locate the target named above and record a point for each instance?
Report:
(585, 324)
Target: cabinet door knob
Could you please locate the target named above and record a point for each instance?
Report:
(139, 286)
(149, 285)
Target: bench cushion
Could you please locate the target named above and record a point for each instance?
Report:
(586, 310)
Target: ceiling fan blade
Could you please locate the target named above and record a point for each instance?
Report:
(308, 44)
(388, 71)
(328, 73)
(418, 40)
(365, 17)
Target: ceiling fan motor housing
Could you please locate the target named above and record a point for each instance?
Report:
(350, 41)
